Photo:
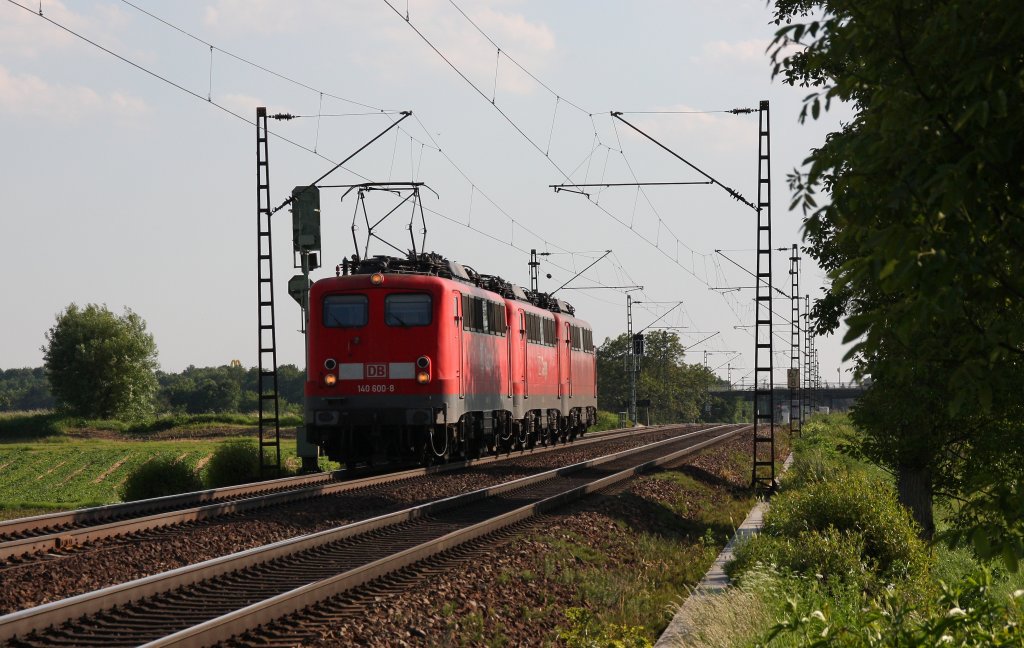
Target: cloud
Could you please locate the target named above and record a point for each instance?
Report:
(24, 34)
(692, 130)
(258, 16)
(742, 52)
(29, 95)
(748, 53)
(241, 104)
(385, 43)
(530, 43)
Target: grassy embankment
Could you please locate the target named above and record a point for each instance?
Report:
(839, 563)
(49, 462)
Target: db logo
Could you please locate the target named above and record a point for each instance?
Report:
(376, 371)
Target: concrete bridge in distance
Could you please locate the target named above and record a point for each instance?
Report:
(835, 396)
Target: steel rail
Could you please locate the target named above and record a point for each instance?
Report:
(25, 621)
(234, 499)
(248, 618)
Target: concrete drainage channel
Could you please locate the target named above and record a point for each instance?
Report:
(220, 598)
(678, 632)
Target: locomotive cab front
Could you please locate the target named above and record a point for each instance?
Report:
(376, 378)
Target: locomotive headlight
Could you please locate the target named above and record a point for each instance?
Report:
(423, 370)
(330, 379)
(376, 278)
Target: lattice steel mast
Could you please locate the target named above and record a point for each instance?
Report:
(764, 399)
(795, 408)
(266, 385)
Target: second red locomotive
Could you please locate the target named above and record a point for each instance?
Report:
(423, 359)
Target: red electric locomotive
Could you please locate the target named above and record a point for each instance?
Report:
(423, 359)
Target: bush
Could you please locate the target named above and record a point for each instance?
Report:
(236, 462)
(587, 631)
(831, 556)
(847, 530)
(606, 421)
(853, 504)
(158, 477)
(892, 621)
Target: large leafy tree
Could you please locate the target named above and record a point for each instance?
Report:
(100, 364)
(922, 231)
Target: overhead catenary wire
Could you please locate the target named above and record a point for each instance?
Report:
(242, 59)
(322, 93)
(656, 243)
(512, 60)
(289, 141)
(174, 84)
(516, 225)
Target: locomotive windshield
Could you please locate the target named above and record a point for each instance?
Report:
(345, 310)
(408, 310)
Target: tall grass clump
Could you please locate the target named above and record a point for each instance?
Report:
(235, 462)
(606, 421)
(158, 477)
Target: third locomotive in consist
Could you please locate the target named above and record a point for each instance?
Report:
(423, 359)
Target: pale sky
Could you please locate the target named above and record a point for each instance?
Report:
(122, 190)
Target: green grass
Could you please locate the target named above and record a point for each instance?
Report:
(50, 426)
(663, 548)
(41, 477)
(76, 474)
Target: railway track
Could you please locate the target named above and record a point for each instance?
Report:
(21, 539)
(215, 600)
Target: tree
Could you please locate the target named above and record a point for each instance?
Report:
(24, 389)
(923, 230)
(100, 364)
(677, 391)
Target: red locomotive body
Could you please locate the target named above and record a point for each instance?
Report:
(423, 359)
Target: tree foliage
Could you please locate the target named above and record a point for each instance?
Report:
(24, 389)
(201, 390)
(196, 390)
(101, 365)
(922, 232)
(677, 391)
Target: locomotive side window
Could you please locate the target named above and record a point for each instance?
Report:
(577, 337)
(472, 314)
(532, 328)
(483, 316)
(550, 332)
(496, 321)
(412, 309)
(345, 311)
(540, 330)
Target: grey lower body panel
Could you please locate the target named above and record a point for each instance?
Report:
(402, 426)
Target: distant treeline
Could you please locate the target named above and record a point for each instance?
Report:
(196, 390)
